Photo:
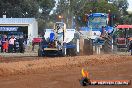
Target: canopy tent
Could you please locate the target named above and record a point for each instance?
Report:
(124, 26)
(12, 25)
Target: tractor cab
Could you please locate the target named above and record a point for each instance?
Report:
(98, 31)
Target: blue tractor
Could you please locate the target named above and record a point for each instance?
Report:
(98, 30)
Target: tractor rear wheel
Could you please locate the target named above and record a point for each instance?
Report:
(74, 51)
(107, 47)
(40, 53)
(88, 47)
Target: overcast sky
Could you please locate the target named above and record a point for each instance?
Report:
(130, 5)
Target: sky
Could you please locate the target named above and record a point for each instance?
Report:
(130, 5)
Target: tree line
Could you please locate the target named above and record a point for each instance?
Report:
(41, 9)
(78, 9)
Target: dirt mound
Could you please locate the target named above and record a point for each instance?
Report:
(1, 57)
(57, 63)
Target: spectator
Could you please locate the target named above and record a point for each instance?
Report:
(5, 45)
(12, 44)
(25, 39)
(0, 45)
(4, 40)
(17, 44)
(21, 44)
(130, 45)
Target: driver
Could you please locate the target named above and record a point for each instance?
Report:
(101, 37)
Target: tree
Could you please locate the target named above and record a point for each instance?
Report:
(122, 6)
(44, 17)
(99, 7)
(19, 8)
(78, 9)
(68, 9)
(46, 6)
(28, 9)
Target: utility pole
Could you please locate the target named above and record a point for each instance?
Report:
(68, 14)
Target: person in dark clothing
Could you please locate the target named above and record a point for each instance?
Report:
(21, 45)
(0, 46)
(17, 45)
(130, 45)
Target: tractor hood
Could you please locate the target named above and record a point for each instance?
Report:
(69, 35)
(92, 33)
(108, 29)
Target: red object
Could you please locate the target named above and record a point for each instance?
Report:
(124, 26)
(121, 41)
(130, 38)
(37, 40)
(5, 45)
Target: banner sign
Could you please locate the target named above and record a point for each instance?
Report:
(8, 28)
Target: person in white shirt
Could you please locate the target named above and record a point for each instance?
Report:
(11, 44)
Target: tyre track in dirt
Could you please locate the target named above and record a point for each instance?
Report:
(38, 65)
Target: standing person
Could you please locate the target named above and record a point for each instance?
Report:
(0, 45)
(21, 44)
(4, 38)
(5, 45)
(17, 44)
(11, 43)
(25, 39)
(130, 45)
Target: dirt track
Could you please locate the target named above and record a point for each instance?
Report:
(63, 72)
